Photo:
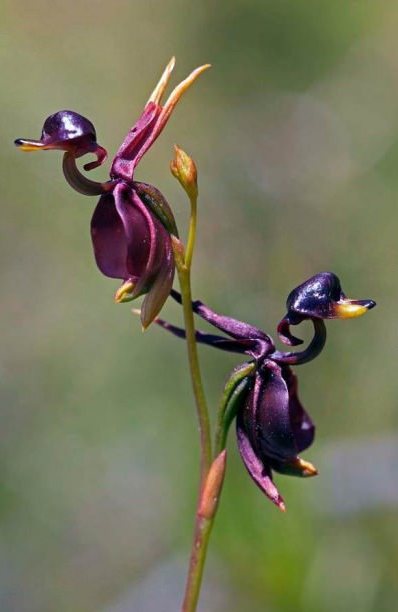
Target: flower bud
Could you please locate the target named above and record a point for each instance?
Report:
(183, 168)
(212, 487)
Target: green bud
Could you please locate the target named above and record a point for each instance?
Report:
(183, 168)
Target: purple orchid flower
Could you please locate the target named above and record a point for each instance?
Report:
(272, 426)
(132, 221)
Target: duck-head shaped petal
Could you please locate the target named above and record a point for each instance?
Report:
(319, 297)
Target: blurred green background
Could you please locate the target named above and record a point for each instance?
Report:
(295, 133)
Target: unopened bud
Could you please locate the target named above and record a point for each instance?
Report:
(212, 487)
(183, 168)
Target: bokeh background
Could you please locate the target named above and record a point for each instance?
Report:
(295, 133)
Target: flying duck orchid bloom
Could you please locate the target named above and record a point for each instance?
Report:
(132, 221)
(272, 426)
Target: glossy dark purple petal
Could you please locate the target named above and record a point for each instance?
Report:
(268, 416)
(302, 424)
(143, 233)
(258, 469)
(219, 342)
(65, 126)
(259, 344)
(109, 239)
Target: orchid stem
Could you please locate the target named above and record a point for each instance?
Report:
(196, 378)
(191, 232)
(203, 525)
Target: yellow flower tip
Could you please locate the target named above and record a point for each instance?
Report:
(123, 294)
(282, 506)
(349, 309)
(29, 145)
(159, 90)
(307, 468)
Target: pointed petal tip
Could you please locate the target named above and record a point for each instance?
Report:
(29, 145)
(281, 504)
(182, 87)
(157, 94)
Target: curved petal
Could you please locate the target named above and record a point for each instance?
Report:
(259, 471)
(109, 239)
(160, 289)
(141, 235)
(268, 407)
(302, 424)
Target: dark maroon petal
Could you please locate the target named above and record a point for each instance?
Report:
(268, 416)
(109, 239)
(146, 237)
(258, 470)
(126, 158)
(302, 425)
(259, 344)
(219, 342)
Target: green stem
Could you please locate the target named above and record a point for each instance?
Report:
(191, 232)
(203, 527)
(196, 378)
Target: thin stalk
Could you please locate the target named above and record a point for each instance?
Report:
(196, 378)
(203, 524)
(203, 527)
(191, 232)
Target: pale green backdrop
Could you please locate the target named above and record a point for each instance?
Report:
(295, 133)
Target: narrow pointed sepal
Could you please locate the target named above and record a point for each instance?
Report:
(259, 472)
(158, 293)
